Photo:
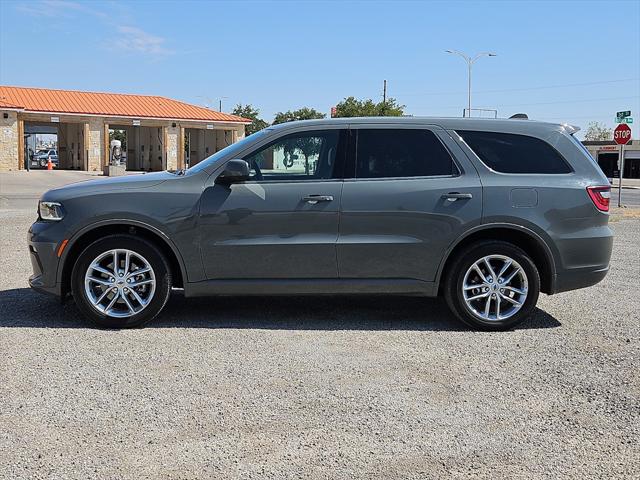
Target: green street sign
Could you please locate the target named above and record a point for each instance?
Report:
(624, 120)
(626, 113)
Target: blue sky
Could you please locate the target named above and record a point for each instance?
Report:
(572, 61)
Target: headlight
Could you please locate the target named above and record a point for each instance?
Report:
(50, 211)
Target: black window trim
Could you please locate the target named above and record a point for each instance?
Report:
(497, 172)
(353, 152)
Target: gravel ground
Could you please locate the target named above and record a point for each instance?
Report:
(320, 387)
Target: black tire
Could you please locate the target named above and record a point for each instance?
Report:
(154, 257)
(454, 278)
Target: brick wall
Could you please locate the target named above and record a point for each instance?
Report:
(8, 141)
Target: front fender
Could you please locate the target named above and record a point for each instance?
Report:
(87, 229)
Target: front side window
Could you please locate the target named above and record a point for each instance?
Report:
(299, 156)
(385, 153)
(229, 151)
(512, 153)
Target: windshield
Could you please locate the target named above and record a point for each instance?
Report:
(228, 151)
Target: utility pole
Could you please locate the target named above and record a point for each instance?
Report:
(210, 102)
(220, 103)
(384, 92)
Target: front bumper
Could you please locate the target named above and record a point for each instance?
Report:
(44, 259)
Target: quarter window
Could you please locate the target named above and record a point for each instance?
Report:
(401, 153)
(512, 153)
(300, 156)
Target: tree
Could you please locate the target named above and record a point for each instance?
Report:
(250, 112)
(352, 107)
(307, 145)
(598, 131)
(304, 113)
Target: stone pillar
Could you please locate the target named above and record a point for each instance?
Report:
(22, 161)
(94, 144)
(181, 147)
(172, 142)
(9, 141)
(239, 133)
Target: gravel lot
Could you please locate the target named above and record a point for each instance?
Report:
(320, 387)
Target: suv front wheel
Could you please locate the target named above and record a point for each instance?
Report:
(493, 285)
(121, 281)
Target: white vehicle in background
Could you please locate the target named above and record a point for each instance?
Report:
(41, 158)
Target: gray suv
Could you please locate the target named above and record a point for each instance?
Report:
(486, 213)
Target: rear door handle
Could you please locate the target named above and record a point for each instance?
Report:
(313, 199)
(453, 196)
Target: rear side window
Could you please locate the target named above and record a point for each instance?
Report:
(511, 153)
(383, 153)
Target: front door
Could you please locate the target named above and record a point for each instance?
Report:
(407, 202)
(283, 221)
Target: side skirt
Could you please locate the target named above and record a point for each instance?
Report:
(320, 286)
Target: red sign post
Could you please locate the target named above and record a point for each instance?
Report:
(622, 136)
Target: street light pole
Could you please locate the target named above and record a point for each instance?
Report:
(469, 90)
(470, 61)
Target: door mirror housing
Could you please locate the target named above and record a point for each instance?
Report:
(234, 171)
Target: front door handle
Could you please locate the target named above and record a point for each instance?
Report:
(313, 199)
(453, 196)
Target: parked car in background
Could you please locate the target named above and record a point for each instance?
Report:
(485, 213)
(41, 158)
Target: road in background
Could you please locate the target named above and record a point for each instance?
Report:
(630, 197)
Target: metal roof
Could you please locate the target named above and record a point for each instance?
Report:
(107, 104)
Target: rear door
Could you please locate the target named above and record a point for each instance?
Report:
(412, 192)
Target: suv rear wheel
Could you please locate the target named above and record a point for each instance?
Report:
(121, 281)
(493, 285)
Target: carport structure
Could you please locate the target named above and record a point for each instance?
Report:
(157, 128)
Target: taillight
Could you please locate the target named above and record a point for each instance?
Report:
(600, 197)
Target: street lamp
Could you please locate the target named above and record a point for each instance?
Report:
(470, 61)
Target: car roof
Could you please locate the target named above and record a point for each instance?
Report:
(449, 123)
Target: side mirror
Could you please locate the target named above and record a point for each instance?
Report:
(234, 171)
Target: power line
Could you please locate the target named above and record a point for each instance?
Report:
(561, 86)
(589, 100)
(566, 85)
(564, 117)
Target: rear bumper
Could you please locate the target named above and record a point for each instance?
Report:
(583, 258)
(579, 278)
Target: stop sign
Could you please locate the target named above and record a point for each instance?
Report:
(622, 134)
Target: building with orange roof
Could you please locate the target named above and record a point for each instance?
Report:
(159, 133)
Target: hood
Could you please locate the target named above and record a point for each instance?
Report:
(102, 185)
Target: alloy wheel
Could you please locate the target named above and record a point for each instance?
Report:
(120, 283)
(495, 288)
